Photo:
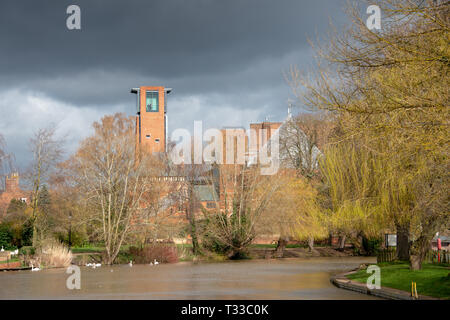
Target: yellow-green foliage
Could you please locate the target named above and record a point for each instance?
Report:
(389, 91)
(353, 176)
(294, 211)
(309, 218)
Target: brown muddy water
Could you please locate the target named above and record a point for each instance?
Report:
(252, 279)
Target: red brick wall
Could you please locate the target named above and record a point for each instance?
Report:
(152, 123)
(9, 265)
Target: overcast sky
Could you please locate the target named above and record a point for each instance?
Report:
(223, 59)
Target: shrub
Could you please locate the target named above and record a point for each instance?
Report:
(162, 252)
(5, 237)
(28, 250)
(54, 254)
(15, 234)
(372, 246)
(77, 238)
(230, 236)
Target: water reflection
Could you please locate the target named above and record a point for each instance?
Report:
(256, 279)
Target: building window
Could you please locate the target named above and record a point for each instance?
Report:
(148, 136)
(157, 140)
(210, 205)
(152, 101)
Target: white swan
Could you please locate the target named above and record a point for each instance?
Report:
(2, 249)
(98, 264)
(155, 262)
(88, 264)
(131, 263)
(34, 269)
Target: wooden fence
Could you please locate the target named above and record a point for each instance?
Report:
(389, 255)
(432, 256)
(386, 255)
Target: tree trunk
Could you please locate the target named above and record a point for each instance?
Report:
(191, 219)
(342, 242)
(195, 246)
(358, 243)
(279, 251)
(403, 242)
(311, 244)
(34, 241)
(330, 239)
(415, 262)
(418, 251)
(107, 258)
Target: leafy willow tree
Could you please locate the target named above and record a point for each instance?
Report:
(353, 174)
(293, 212)
(390, 86)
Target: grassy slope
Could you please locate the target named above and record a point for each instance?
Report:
(432, 280)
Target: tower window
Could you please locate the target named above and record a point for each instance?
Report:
(152, 101)
(157, 140)
(148, 136)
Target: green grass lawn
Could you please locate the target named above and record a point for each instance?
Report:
(96, 249)
(87, 249)
(433, 280)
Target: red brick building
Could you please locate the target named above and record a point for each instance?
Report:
(152, 135)
(151, 117)
(12, 191)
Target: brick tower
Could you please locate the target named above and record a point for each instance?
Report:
(151, 118)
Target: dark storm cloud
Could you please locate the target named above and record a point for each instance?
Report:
(224, 59)
(164, 40)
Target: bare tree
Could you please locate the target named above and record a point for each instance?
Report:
(46, 151)
(6, 161)
(159, 206)
(301, 140)
(114, 177)
(192, 175)
(244, 195)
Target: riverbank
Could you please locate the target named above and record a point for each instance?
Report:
(432, 282)
(298, 252)
(94, 254)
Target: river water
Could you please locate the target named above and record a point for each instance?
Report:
(251, 279)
